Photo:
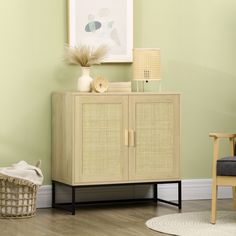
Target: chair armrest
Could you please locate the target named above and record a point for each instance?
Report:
(222, 135)
(216, 139)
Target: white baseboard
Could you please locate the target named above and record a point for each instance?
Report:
(44, 196)
(192, 189)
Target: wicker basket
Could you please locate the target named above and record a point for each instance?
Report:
(17, 198)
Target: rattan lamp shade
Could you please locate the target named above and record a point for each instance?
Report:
(146, 64)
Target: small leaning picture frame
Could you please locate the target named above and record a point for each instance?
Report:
(107, 22)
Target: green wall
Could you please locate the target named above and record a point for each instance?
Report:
(198, 45)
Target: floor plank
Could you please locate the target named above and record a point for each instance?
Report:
(100, 220)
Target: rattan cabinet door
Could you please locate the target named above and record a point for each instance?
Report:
(154, 130)
(101, 153)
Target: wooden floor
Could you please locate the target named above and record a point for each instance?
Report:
(100, 220)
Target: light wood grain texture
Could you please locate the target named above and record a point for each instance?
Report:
(131, 138)
(115, 138)
(222, 135)
(62, 137)
(221, 180)
(102, 220)
(76, 93)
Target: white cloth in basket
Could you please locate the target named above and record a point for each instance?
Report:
(25, 171)
(18, 201)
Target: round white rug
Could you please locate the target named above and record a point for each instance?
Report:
(195, 224)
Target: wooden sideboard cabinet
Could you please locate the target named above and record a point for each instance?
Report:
(115, 138)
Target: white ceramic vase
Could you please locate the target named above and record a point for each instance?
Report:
(84, 81)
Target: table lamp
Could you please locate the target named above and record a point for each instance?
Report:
(146, 65)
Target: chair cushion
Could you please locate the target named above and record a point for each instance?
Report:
(226, 166)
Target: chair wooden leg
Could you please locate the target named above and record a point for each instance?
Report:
(214, 203)
(234, 197)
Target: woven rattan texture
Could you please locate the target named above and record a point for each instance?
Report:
(17, 200)
(154, 137)
(146, 65)
(101, 139)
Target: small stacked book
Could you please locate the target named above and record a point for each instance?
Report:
(119, 87)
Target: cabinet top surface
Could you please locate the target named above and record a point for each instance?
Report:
(114, 93)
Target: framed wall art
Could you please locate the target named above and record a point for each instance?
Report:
(108, 22)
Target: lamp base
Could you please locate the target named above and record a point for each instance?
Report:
(141, 88)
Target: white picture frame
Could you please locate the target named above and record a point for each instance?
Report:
(110, 22)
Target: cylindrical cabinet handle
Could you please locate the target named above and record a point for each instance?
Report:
(126, 137)
(131, 138)
(232, 143)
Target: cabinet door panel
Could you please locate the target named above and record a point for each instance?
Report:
(100, 151)
(155, 121)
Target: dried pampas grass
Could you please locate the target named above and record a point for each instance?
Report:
(85, 55)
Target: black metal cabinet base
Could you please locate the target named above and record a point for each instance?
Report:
(71, 207)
